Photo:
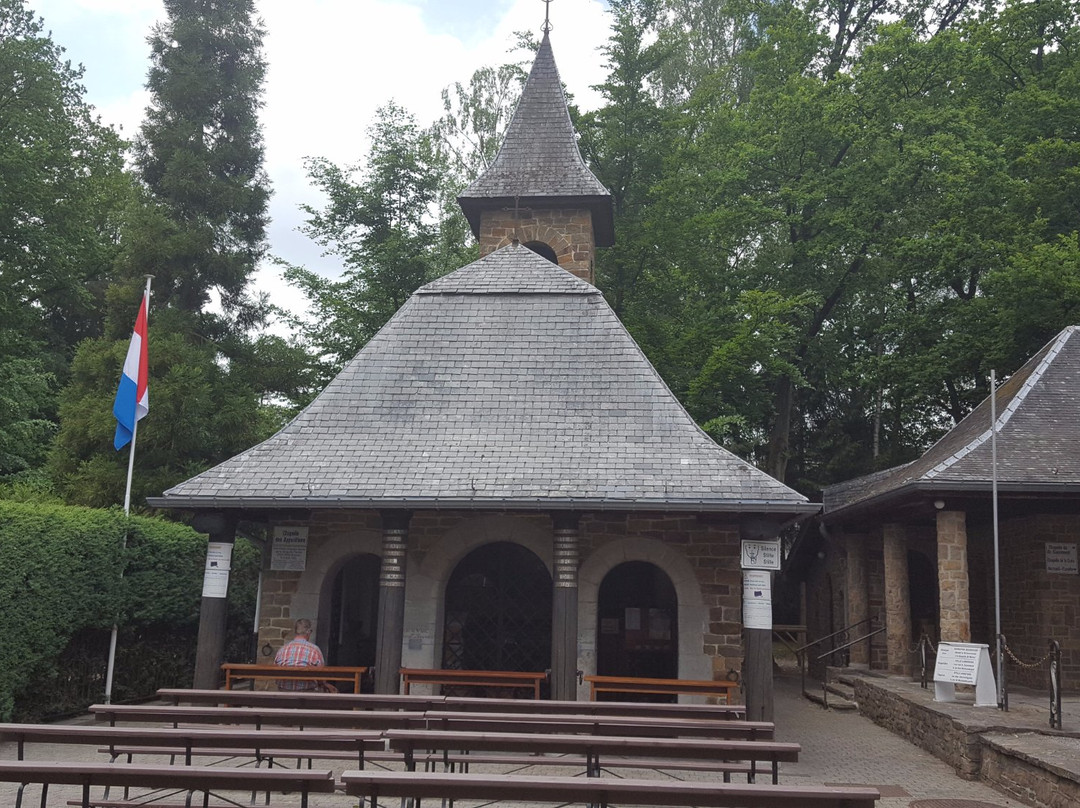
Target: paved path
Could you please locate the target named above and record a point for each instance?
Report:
(843, 747)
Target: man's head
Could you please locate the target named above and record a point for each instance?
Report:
(302, 627)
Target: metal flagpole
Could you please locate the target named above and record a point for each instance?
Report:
(127, 513)
(997, 554)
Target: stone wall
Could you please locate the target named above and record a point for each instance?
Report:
(568, 231)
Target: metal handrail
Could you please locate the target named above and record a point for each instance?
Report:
(800, 653)
(856, 641)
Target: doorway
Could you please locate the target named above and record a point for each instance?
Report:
(498, 611)
(354, 613)
(637, 631)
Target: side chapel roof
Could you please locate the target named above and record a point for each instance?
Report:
(539, 161)
(1038, 439)
(506, 384)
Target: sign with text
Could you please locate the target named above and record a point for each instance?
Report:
(289, 549)
(216, 573)
(757, 599)
(964, 663)
(1061, 559)
(760, 555)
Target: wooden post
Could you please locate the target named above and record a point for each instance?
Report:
(210, 647)
(391, 602)
(564, 618)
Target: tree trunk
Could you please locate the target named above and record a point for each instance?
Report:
(780, 439)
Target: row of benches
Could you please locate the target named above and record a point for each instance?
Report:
(450, 731)
(236, 672)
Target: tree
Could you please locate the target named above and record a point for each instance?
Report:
(62, 186)
(385, 221)
(198, 226)
(200, 153)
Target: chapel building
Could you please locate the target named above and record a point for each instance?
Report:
(500, 480)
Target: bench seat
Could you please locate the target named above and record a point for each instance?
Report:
(600, 791)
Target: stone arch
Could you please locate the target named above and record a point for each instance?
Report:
(693, 617)
(553, 237)
(325, 559)
(425, 586)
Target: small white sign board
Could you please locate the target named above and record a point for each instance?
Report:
(1061, 558)
(216, 572)
(289, 550)
(760, 555)
(757, 599)
(964, 663)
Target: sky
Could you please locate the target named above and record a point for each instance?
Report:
(331, 64)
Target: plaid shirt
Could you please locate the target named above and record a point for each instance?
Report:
(299, 653)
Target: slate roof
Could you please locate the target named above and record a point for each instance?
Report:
(539, 161)
(1038, 440)
(507, 384)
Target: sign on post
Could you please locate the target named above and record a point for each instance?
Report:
(760, 555)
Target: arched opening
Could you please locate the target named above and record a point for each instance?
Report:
(354, 613)
(923, 595)
(637, 623)
(543, 250)
(498, 611)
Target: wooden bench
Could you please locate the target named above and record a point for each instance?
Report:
(600, 791)
(238, 672)
(637, 726)
(720, 688)
(722, 712)
(183, 778)
(590, 747)
(504, 679)
(258, 744)
(300, 699)
(257, 717)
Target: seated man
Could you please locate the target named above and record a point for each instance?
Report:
(301, 652)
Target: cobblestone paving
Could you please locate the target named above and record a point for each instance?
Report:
(844, 747)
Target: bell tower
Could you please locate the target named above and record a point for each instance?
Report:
(538, 189)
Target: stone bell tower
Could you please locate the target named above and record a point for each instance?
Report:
(538, 189)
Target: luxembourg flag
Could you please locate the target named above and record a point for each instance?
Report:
(133, 394)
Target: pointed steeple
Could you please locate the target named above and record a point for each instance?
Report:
(538, 189)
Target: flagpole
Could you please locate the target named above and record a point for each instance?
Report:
(127, 513)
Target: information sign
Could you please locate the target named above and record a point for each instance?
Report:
(1061, 559)
(760, 555)
(757, 599)
(964, 663)
(289, 549)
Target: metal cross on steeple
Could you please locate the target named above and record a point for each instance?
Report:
(547, 21)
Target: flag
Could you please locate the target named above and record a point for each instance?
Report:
(133, 394)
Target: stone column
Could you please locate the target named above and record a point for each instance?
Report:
(954, 620)
(391, 602)
(897, 600)
(210, 646)
(564, 617)
(858, 598)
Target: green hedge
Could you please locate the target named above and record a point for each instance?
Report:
(60, 575)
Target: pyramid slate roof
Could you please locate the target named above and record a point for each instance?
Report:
(1038, 440)
(506, 384)
(539, 160)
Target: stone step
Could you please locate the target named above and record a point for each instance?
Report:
(836, 699)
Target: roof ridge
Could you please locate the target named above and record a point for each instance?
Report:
(1010, 409)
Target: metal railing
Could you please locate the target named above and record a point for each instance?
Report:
(801, 652)
(1053, 658)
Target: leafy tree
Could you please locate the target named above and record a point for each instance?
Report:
(61, 189)
(384, 221)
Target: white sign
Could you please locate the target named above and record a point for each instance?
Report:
(1061, 558)
(289, 550)
(760, 555)
(219, 555)
(215, 583)
(964, 663)
(757, 599)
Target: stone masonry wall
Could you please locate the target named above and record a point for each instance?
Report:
(568, 231)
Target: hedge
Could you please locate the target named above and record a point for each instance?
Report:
(65, 570)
